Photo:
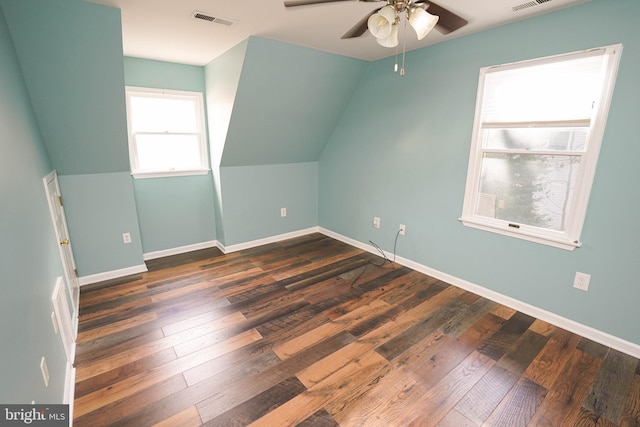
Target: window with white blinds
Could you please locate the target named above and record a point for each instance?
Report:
(536, 139)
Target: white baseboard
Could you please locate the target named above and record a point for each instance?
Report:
(180, 250)
(108, 275)
(267, 240)
(593, 334)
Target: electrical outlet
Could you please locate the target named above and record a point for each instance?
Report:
(581, 281)
(402, 229)
(45, 371)
(376, 222)
(283, 212)
(126, 237)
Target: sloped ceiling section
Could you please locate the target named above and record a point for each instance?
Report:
(288, 102)
(70, 52)
(222, 78)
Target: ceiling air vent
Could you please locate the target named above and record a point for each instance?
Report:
(524, 6)
(210, 18)
(529, 4)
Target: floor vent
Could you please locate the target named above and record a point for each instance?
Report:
(210, 18)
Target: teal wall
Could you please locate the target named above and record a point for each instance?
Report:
(411, 167)
(288, 103)
(272, 109)
(29, 259)
(95, 196)
(222, 77)
(176, 211)
(71, 57)
(253, 196)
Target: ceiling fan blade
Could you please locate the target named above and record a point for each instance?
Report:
(360, 28)
(448, 21)
(292, 3)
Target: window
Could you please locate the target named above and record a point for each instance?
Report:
(166, 133)
(536, 139)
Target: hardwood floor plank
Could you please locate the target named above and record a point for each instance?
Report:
(124, 388)
(243, 362)
(587, 418)
(456, 419)
(556, 353)
(506, 336)
(187, 418)
(444, 355)
(483, 398)
(112, 328)
(593, 348)
(519, 405)
(631, 414)
(394, 347)
(525, 350)
(129, 353)
(563, 402)
(309, 402)
(443, 397)
(320, 419)
(259, 405)
(609, 390)
(310, 338)
(119, 373)
(249, 387)
(225, 378)
(114, 411)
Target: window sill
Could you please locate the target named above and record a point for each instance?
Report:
(558, 242)
(168, 174)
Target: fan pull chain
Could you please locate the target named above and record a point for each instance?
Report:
(395, 66)
(404, 44)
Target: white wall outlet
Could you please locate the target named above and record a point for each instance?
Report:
(126, 237)
(283, 212)
(402, 229)
(581, 281)
(376, 222)
(45, 371)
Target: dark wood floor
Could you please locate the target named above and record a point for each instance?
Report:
(313, 332)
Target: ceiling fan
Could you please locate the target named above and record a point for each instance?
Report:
(445, 20)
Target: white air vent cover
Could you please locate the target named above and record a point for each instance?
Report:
(529, 4)
(210, 18)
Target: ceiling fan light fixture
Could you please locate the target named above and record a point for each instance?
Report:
(380, 23)
(422, 21)
(391, 40)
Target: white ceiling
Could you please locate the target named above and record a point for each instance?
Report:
(165, 29)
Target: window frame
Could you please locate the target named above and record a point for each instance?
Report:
(198, 101)
(568, 239)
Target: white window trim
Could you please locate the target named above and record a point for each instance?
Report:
(204, 153)
(569, 239)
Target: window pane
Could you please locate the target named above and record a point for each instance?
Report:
(561, 139)
(528, 189)
(168, 152)
(163, 115)
(563, 90)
